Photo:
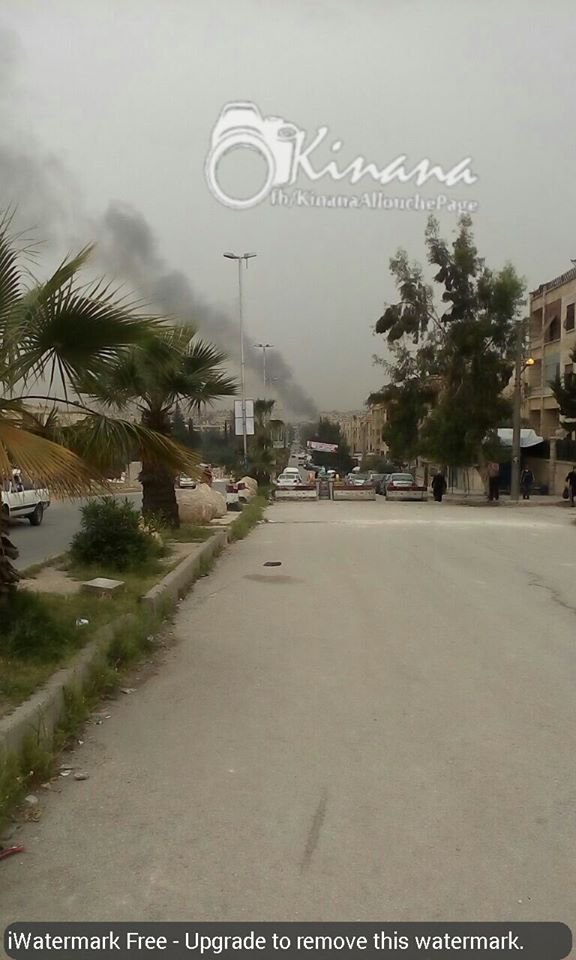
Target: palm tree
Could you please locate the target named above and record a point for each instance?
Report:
(262, 455)
(54, 335)
(171, 370)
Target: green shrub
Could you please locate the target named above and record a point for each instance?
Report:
(31, 629)
(112, 535)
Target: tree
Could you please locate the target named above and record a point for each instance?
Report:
(261, 454)
(172, 368)
(564, 390)
(62, 331)
(462, 356)
(326, 431)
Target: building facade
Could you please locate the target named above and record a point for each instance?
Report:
(362, 430)
(552, 337)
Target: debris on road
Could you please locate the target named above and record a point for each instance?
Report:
(272, 563)
(10, 851)
(128, 690)
(82, 622)
(31, 800)
(81, 775)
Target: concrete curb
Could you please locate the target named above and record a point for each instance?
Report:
(175, 583)
(38, 716)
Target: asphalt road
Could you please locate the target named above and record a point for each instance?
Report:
(380, 729)
(61, 521)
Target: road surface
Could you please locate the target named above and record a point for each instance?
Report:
(61, 521)
(380, 729)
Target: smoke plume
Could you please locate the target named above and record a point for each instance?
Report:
(127, 243)
(47, 203)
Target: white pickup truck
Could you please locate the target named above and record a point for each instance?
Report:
(23, 500)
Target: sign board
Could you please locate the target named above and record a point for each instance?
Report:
(322, 447)
(248, 416)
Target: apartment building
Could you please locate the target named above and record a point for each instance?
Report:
(552, 337)
(363, 430)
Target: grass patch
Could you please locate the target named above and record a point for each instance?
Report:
(38, 652)
(137, 580)
(249, 517)
(37, 760)
(189, 533)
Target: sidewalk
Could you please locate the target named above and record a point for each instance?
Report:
(459, 498)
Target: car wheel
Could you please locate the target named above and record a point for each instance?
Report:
(38, 515)
(5, 512)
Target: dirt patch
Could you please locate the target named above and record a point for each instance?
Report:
(52, 580)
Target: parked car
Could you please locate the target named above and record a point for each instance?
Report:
(376, 479)
(229, 489)
(186, 483)
(381, 483)
(290, 477)
(359, 479)
(22, 499)
(403, 486)
(245, 493)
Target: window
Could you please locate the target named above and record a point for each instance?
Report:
(553, 330)
(569, 322)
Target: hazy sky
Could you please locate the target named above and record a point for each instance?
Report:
(125, 94)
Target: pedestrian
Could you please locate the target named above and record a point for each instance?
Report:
(493, 470)
(439, 486)
(571, 484)
(526, 481)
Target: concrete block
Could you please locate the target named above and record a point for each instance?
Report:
(102, 585)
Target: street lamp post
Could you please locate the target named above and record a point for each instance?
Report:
(520, 364)
(264, 347)
(242, 257)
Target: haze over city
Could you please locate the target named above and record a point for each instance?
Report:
(114, 104)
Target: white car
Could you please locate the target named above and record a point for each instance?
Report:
(403, 486)
(229, 490)
(290, 477)
(186, 483)
(23, 500)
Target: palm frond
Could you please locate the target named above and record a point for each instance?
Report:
(75, 331)
(10, 279)
(98, 439)
(44, 462)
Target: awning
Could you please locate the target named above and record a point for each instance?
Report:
(528, 438)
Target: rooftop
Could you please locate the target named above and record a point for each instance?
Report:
(556, 282)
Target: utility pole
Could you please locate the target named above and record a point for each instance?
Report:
(520, 364)
(243, 257)
(517, 414)
(264, 347)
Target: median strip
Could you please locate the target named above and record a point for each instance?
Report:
(36, 729)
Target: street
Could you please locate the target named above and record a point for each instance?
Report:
(380, 729)
(61, 521)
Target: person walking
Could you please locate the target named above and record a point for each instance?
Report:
(571, 484)
(439, 486)
(493, 481)
(526, 481)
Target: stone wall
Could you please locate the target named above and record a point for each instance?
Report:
(549, 472)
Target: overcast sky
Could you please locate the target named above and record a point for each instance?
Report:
(125, 95)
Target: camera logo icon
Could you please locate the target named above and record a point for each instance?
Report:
(242, 126)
